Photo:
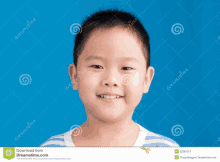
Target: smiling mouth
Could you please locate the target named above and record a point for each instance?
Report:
(110, 97)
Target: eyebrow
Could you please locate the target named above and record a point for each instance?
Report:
(101, 58)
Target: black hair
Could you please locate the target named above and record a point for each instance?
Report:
(107, 20)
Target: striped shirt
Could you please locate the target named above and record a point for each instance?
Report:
(145, 139)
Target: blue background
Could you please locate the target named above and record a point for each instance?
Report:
(44, 51)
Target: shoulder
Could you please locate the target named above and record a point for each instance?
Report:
(55, 141)
(157, 140)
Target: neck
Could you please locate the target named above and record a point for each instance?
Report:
(95, 127)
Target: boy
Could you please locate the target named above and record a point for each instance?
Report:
(111, 73)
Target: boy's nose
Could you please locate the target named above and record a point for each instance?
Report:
(108, 84)
(110, 79)
(111, 82)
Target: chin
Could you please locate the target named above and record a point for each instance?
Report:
(109, 117)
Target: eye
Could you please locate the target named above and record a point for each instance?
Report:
(127, 67)
(95, 66)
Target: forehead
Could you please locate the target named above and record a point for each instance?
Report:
(115, 43)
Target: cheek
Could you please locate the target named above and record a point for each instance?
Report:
(88, 80)
(136, 79)
(93, 79)
(87, 84)
(132, 80)
(137, 84)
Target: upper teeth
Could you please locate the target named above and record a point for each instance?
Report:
(106, 96)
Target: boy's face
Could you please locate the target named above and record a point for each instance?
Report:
(114, 73)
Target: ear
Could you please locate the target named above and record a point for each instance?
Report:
(148, 78)
(73, 76)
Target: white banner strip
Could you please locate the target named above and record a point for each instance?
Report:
(109, 154)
